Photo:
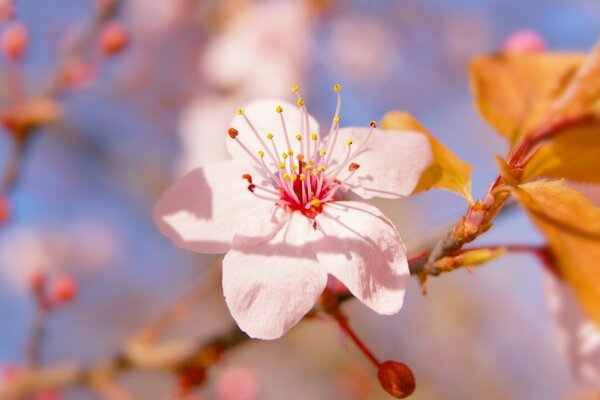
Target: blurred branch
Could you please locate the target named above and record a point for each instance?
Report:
(106, 10)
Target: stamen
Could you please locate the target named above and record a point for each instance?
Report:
(232, 133)
(247, 177)
(260, 139)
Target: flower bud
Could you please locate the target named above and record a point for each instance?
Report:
(64, 289)
(396, 379)
(524, 42)
(14, 41)
(113, 38)
(5, 209)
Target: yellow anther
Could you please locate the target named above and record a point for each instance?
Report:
(307, 167)
(315, 202)
(261, 153)
(302, 177)
(321, 168)
(284, 156)
(241, 111)
(294, 177)
(315, 172)
(322, 152)
(294, 88)
(298, 138)
(286, 176)
(337, 87)
(290, 152)
(281, 165)
(312, 161)
(269, 136)
(294, 167)
(336, 118)
(349, 142)
(300, 102)
(279, 109)
(314, 136)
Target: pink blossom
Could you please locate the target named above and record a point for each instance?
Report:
(238, 382)
(578, 336)
(524, 41)
(279, 209)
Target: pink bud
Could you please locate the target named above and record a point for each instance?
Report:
(64, 289)
(238, 383)
(474, 219)
(396, 379)
(524, 42)
(113, 38)
(14, 41)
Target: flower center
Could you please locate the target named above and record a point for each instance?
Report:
(304, 176)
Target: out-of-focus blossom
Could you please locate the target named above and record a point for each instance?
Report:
(578, 336)
(360, 49)
(465, 34)
(262, 49)
(202, 126)
(289, 213)
(153, 17)
(14, 41)
(238, 382)
(524, 41)
(27, 251)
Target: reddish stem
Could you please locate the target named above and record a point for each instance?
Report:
(343, 323)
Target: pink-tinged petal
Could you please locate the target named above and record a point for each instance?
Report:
(578, 336)
(264, 118)
(204, 209)
(270, 285)
(391, 162)
(363, 250)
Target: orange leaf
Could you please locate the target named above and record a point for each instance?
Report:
(573, 154)
(571, 224)
(447, 170)
(513, 92)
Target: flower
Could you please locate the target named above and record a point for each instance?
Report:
(578, 336)
(280, 211)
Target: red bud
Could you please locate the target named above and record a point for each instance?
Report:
(396, 379)
(64, 289)
(14, 41)
(5, 210)
(113, 38)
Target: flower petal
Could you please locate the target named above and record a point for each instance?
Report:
(270, 285)
(204, 209)
(362, 249)
(577, 334)
(265, 119)
(391, 162)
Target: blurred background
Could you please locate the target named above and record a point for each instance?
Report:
(132, 122)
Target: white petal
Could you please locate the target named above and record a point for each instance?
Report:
(391, 162)
(204, 209)
(578, 335)
(270, 285)
(362, 249)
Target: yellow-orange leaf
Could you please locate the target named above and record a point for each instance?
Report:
(571, 224)
(447, 170)
(573, 154)
(513, 92)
